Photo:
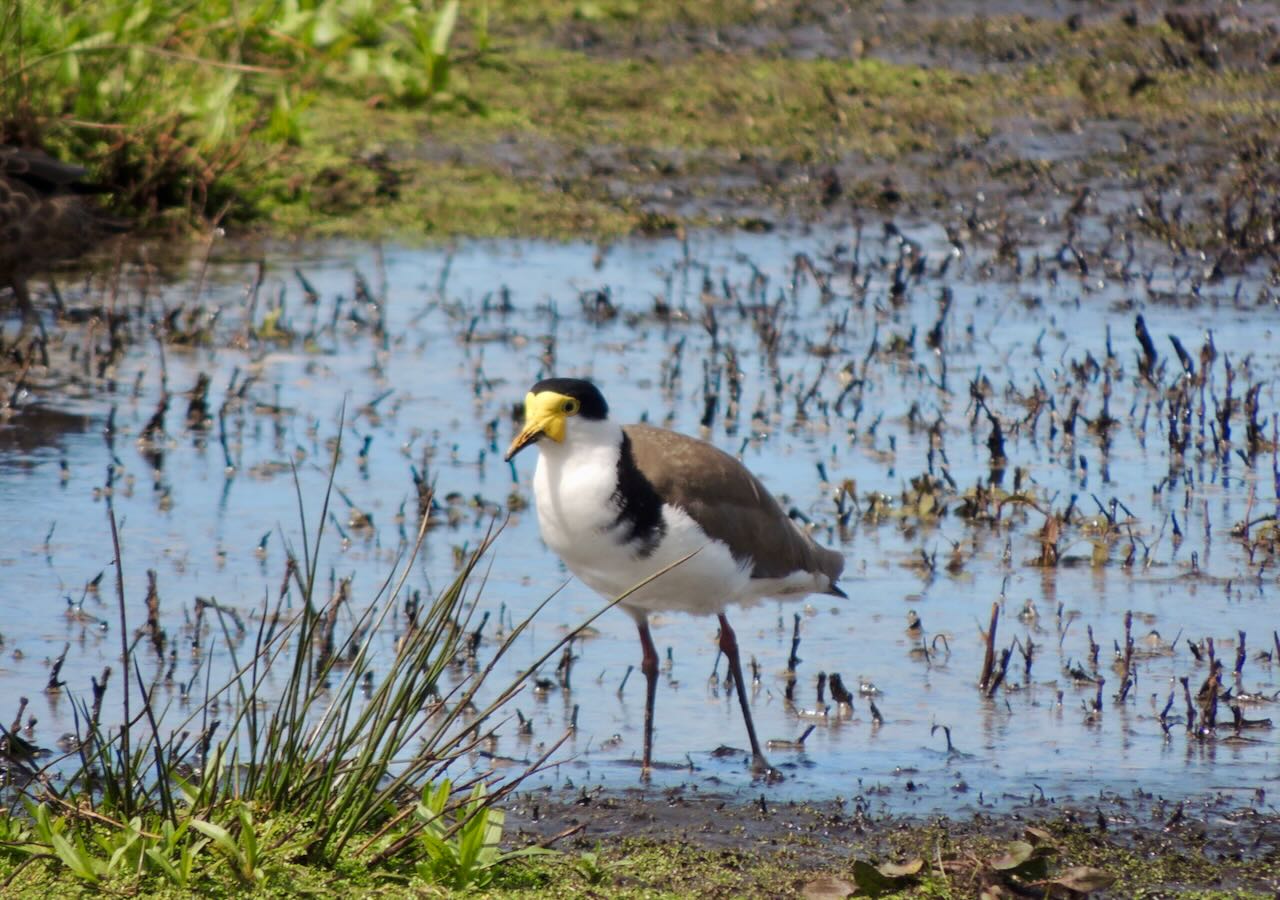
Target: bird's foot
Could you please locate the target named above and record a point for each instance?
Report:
(761, 768)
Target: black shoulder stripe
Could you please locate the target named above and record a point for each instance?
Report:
(638, 504)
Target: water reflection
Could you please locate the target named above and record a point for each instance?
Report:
(819, 374)
(37, 432)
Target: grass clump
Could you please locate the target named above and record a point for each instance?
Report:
(171, 99)
(305, 755)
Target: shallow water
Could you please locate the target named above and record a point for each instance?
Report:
(456, 361)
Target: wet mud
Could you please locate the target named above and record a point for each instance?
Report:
(1143, 845)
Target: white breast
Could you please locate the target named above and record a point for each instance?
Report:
(577, 515)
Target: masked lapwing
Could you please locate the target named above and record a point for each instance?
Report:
(621, 503)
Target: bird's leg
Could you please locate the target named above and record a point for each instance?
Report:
(649, 666)
(729, 644)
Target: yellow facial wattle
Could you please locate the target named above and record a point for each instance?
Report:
(545, 413)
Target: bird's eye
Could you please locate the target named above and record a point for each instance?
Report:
(570, 406)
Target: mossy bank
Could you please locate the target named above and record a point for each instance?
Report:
(599, 120)
(628, 846)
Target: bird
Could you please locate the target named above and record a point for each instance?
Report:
(620, 504)
(44, 219)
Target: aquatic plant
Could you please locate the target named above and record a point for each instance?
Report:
(338, 752)
(461, 851)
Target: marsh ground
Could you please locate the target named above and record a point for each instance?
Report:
(1061, 168)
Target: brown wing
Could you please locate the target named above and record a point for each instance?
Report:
(729, 503)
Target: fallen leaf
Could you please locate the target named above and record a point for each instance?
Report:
(1023, 860)
(876, 880)
(1084, 879)
(1015, 855)
(901, 870)
(827, 887)
(1037, 835)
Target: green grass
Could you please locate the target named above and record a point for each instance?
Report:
(1143, 865)
(370, 117)
(183, 103)
(323, 748)
(784, 109)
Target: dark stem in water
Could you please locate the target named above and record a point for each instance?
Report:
(124, 637)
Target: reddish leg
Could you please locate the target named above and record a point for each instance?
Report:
(649, 666)
(729, 645)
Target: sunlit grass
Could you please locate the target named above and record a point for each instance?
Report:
(318, 746)
(172, 97)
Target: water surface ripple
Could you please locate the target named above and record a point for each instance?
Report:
(824, 368)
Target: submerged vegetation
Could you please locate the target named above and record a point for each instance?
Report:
(1013, 481)
(317, 749)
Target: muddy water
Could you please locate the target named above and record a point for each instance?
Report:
(469, 330)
